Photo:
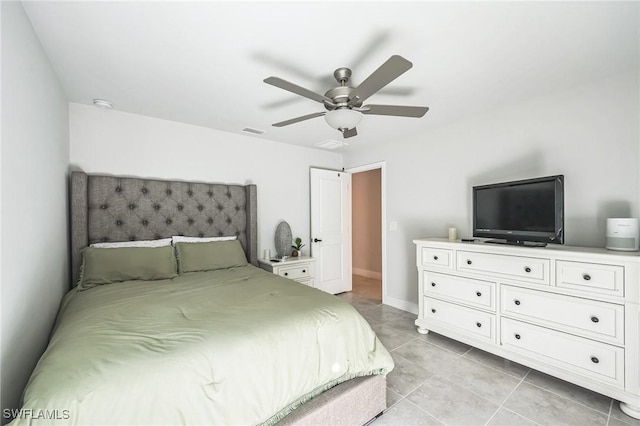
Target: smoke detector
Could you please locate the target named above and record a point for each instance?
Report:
(102, 103)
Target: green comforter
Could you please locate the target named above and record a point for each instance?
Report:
(234, 346)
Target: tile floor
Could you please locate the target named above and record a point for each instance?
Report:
(439, 381)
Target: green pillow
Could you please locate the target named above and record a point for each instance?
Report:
(111, 265)
(210, 256)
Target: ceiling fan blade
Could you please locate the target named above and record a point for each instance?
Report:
(393, 68)
(396, 110)
(349, 133)
(298, 119)
(298, 90)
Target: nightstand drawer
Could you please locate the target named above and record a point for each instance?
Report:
(300, 269)
(593, 277)
(294, 271)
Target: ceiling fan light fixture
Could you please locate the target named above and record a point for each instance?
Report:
(343, 118)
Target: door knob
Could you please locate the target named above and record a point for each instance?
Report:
(316, 240)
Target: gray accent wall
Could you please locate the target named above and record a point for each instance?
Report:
(35, 159)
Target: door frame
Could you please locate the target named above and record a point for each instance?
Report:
(383, 201)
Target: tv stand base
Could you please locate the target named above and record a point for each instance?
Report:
(516, 243)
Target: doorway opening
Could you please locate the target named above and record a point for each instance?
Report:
(367, 232)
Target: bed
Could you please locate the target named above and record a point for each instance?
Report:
(201, 341)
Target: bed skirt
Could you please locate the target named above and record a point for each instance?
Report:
(354, 402)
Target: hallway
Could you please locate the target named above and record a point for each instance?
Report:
(367, 288)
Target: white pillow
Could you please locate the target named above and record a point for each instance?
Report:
(181, 239)
(143, 243)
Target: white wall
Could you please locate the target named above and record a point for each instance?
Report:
(588, 133)
(35, 158)
(114, 142)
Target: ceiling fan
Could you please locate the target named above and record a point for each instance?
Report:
(344, 103)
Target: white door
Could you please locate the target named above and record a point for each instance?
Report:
(331, 229)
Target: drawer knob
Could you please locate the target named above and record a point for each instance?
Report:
(478, 324)
(517, 302)
(517, 336)
(478, 294)
(435, 257)
(304, 271)
(594, 360)
(595, 319)
(433, 284)
(527, 269)
(433, 310)
(469, 262)
(586, 277)
(286, 274)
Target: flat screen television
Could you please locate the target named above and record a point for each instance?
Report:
(525, 212)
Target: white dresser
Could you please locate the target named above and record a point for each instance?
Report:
(301, 269)
(571, 312)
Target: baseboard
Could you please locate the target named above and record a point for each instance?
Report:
(366, 273)
(400, 304)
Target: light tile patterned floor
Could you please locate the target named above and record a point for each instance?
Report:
(439, 381)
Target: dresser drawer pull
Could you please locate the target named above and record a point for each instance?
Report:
(478, 294)
(433, 310)
(304, 271)
(594, 360)
(433, 284)
(478, 324)
(286, 274)
(517, 302)
(469, 262)
(435, 257)
(586, 277)
(517, 336)
(595, 319)
(527, 269)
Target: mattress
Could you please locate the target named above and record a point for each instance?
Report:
(231, 346)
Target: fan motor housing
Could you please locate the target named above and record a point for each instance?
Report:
(340, 96)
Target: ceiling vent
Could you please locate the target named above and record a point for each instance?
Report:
(331, 144)
(254, 131)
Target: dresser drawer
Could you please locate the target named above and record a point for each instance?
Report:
(589, 358)
(437, 257)
(294, 272)
(592, 277)
(463, 320)
(305, 281)
(463, 290)
(588, 318)
(515, 267)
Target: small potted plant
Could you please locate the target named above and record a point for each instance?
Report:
(297, 247)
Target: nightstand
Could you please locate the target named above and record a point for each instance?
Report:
(300, 269)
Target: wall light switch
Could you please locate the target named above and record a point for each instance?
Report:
(393, 225)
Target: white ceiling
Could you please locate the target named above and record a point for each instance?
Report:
(203, 62)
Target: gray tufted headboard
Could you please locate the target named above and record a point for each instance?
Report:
(111, 208)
